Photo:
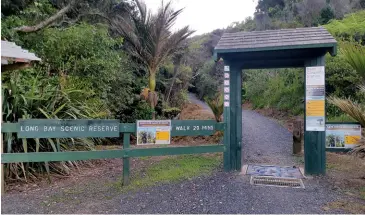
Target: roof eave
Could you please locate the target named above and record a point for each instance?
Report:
(331, 46)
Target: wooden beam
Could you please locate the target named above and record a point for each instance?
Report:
(107, 154)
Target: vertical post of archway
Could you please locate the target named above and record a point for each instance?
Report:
(314, 135)
(232, 116)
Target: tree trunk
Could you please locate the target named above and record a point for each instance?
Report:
(47, 22)
(152, 86)
(176, 72)
(152, 81)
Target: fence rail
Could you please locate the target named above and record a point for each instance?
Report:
(179, 128)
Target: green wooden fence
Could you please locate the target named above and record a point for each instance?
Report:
(179, 128)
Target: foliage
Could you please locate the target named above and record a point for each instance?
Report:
(282, 89)
(136, 110)
(216, 105)
(209, 80)
(150, 40)
(26, 95)
(83, 74)
(353, 109)
(171, 113)
(352, 26)
(354, 55)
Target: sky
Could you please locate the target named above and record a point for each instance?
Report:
(204, 16)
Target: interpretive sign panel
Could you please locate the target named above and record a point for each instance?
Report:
(53, 128)
(315, 98)
(153, 132)
(342, 135)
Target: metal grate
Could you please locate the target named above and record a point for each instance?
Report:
(277, 182)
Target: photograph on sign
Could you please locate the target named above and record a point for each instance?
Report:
(226, 104)
(226, 68)
(226, 96)
(226, 82)
(342, 135)
(315, 75)
(315, 92)
(315, 123)
(226, 89)
(153, 132)
(226, 75)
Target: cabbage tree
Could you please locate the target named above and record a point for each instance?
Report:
(150, 39)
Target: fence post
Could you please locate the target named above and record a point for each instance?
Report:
(126, 145)
(297, 137)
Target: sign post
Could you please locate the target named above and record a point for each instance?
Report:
(315, 120)
(226, 117)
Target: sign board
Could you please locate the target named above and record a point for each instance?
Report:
(315, 98)
(193, 127)
(342, 135)
(226, 68)
(153, 132)
(69, 128)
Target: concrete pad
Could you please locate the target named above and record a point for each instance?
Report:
(244, 170)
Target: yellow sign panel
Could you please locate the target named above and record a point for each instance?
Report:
(315, 108)
(351, 139)
(162, 135)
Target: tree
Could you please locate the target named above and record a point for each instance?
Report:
(150, 39)
(326, 15)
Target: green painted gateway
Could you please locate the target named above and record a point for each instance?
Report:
(285, 48)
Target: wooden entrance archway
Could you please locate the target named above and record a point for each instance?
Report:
(286, 48)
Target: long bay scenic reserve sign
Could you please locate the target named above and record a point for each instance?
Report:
(53, 128)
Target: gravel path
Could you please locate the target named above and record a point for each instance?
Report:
(219, 193)
(195, 100)
(264, 142)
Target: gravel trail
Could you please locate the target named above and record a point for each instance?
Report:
(265, 142)
(193, 99)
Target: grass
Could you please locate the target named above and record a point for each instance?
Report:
(173, 169)
(341, 118)
(362, 193)
(352, 207)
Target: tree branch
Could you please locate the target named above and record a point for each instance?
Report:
(47, 22)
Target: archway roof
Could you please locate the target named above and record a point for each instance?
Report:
(275, 48)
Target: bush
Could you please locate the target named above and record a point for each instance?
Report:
(29, 94)
(171, 113)
(282, 89)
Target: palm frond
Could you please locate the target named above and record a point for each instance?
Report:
(216, 105)
(149, 37)
(355, 56)
(354, 110)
